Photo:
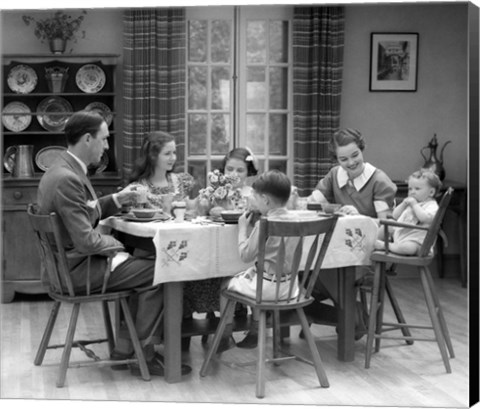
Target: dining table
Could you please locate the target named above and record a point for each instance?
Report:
(201, 248)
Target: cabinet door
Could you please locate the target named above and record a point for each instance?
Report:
(21, 260)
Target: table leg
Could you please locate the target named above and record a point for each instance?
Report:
(346, 314)
(173, 296)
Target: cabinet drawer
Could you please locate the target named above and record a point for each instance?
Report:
(19, 195)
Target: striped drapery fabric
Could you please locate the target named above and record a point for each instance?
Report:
(154, 78)
(318, 38)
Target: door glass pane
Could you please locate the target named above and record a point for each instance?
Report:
(220, 133)
(198, 169)
(256, 42)
(197, 134)
(197, 88)
(221, 88)
(221, 41)
(256, 88)
(256, 133)
(217, 163)
(197, 41)
(278, 88)
(278, 41)
(279, 164)
(278, 134)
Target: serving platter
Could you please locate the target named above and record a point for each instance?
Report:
(90, 78)
(22, 79)
(53, 112)
(16, 116)
(102, 109)
(46, 156)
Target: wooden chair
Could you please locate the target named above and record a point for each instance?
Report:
(61, 290)
(315, 247)
(376, 326)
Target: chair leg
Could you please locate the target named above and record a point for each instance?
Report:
(67, 349)
(441, 317)
(218, 336)
(276, 333)
(372, 322)
(396, 309)
(108, 326)
(42, 348)
(135, 341)
(262, 334)
(317, 361)
(381, 306)
(434, 318)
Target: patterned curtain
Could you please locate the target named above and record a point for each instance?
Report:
(318, 36)
(154, 78)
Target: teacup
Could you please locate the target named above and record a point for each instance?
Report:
(142, 194)
(178, 210)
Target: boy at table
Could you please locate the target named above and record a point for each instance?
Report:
(419, 207)
(271, 192)
(66, 190)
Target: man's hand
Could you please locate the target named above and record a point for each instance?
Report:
(127, 195)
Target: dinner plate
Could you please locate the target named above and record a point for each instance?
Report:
(22, 79)
(46, 156)
(53, 112)
(90, 78)
(16, 116)
(102, 109)
(132, 218)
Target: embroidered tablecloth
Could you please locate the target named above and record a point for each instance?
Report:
(188, 251)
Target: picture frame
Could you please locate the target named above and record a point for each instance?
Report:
(394, 62)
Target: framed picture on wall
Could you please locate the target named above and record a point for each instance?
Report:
(393, 62)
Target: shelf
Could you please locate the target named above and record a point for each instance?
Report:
(45, 57)
(59, 94)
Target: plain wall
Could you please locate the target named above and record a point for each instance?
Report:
(396, 125)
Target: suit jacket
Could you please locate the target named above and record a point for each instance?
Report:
(66, 190)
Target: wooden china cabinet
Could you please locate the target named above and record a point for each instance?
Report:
(35, 106)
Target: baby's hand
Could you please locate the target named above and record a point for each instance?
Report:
(245, 219)
(410, 201)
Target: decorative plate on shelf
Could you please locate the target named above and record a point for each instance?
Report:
(9, 158)
(90, 78)
(102, 109)
(46, 156)
(53, 112)
(22, 79)
(16, 116)
(102, 165)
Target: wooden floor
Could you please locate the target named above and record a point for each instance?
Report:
(400, 375)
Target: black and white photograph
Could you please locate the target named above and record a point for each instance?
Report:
(244, 204)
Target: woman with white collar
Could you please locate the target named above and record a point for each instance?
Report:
(360, 188)
(357, 185)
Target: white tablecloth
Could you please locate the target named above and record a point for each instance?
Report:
(188, 251)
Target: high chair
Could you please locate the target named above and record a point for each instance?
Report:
(380, 258)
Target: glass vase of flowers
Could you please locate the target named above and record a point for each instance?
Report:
(219, 195)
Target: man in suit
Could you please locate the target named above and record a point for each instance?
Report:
(66, 190)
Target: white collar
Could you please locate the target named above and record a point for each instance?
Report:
(80, 162)
(360, 180)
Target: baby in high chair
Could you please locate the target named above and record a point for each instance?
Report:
(419, 207)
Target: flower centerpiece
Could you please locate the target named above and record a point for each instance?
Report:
(220, 192)
(57, 29)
